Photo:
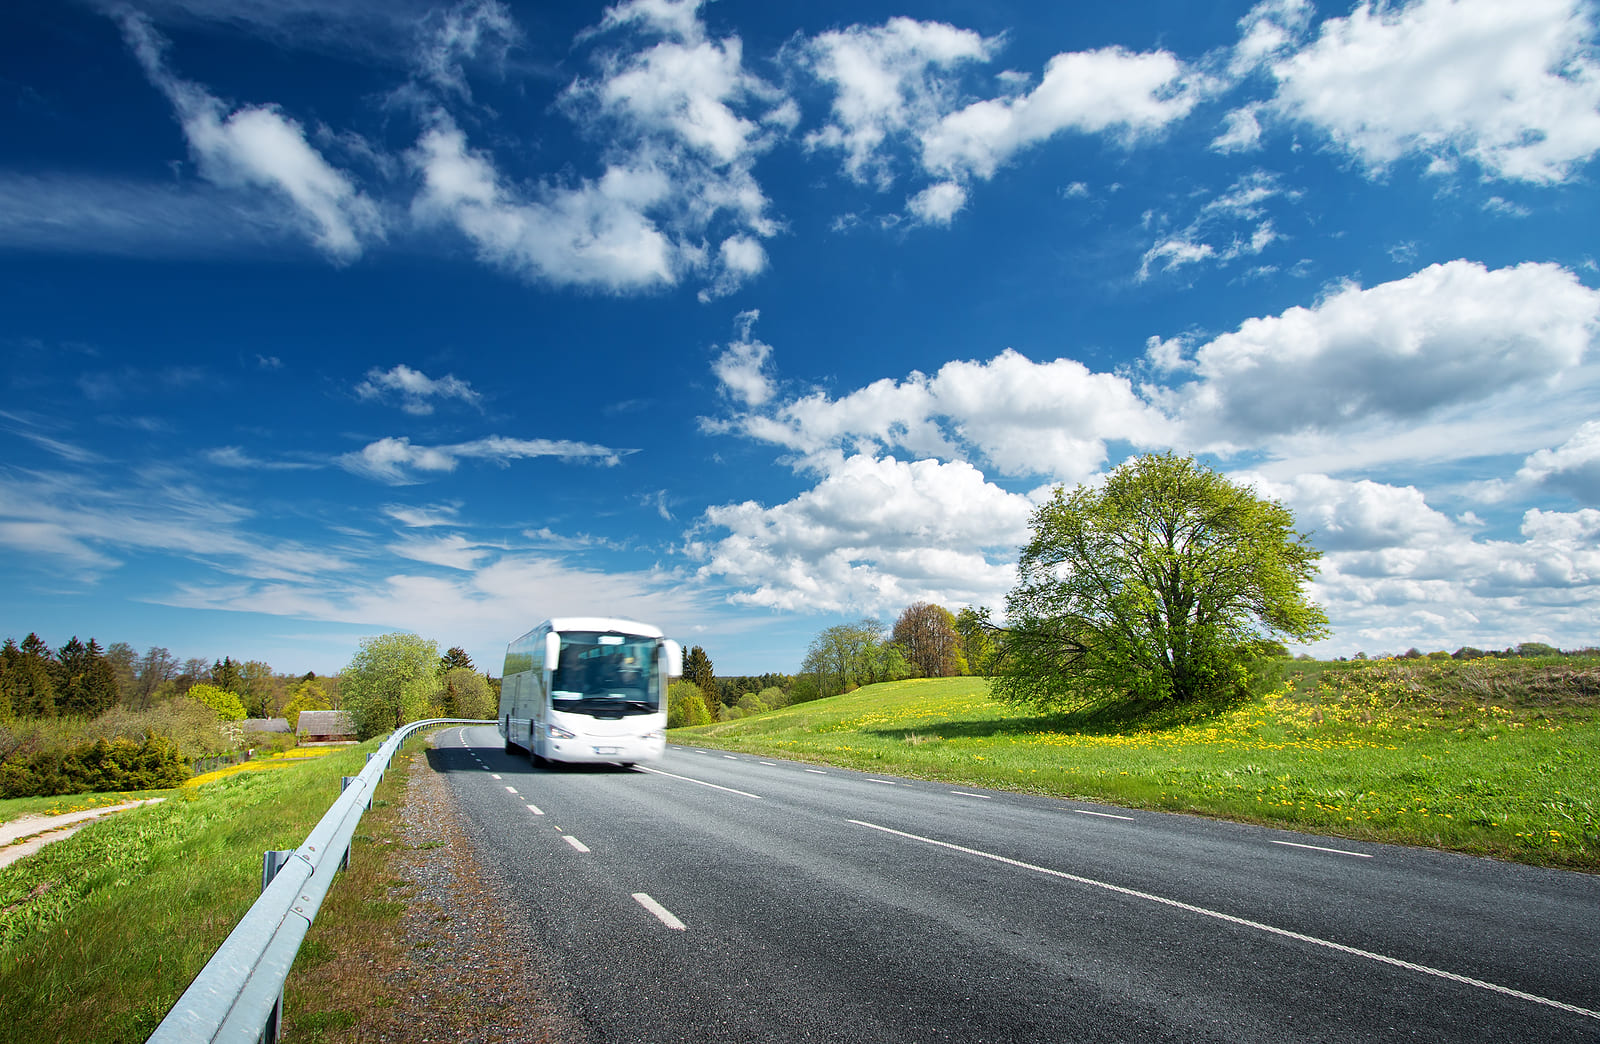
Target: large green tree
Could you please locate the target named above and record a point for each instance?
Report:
(1158, 585)
(391, 680)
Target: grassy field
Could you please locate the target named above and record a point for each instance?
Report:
(1491, 757)
(100, 933)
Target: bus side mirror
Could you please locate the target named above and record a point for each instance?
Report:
(674, 654)
(552, 651)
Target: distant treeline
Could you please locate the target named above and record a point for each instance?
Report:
(83, 680)
(1522, 650)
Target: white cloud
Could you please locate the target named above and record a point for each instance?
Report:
(1109, 91)
(1361, 515)
(681, 122)
(1573, 467)
(85, 214)
(939, 203)
(471, 31)
(398, 462)
(890, 81)
(741, 368)
(1511, 87)
(1448, 335)
(260, 147)
(424, 517)
(875, 533)
(87, 523)
(597, 234)
(1226, 227)
(452, 552)
(1025, 418)
(236, 457)
(1241, 132)
(415, 389)
(1268, 31)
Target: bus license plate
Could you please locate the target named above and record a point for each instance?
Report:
(606, 750)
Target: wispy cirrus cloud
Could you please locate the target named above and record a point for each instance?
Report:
(399, 462)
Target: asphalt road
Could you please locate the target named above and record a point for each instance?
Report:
(732, 898)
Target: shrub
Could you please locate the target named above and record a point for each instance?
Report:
(104, 765)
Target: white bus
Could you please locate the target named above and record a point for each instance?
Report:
(588, 689)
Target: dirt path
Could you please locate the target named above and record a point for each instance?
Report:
(27, 834)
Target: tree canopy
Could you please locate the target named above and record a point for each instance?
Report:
(1157, 585)
(389, 681)
(927, 633)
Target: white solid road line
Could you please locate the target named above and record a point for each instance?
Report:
(535, 810)
(662, 913)
(1102, 815)
(1319, 848)
(574, 842)
(703, 783)
(1242, 922)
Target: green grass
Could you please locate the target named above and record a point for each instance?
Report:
(1497, 758)
(16, 808)
(102, 932)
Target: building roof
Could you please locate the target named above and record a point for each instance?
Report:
(266, 725)
(326, 723)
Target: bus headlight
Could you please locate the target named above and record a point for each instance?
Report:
(653, 734)
(557, 732)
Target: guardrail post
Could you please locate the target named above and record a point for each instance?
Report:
(272, 861)
(344, 784)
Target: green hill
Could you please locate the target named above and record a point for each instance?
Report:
(1494, 757)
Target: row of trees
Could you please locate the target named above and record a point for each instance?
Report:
(926, 641)
(82, 680)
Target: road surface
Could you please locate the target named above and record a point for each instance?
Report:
(721, 897)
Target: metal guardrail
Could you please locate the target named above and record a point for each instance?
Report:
(235, 997)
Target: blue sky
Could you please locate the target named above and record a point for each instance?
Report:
(323, 319)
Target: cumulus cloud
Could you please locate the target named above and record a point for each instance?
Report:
(1447, 335)
(398, 462)
(890, 82)
(261, 147)
(596, 234)
(1109, 91)
(681, 122)
(741, 368)
(1025, 418)
(415, 390)
(875, 533)
(1573, 467)
(938, 204)
(1511, 88)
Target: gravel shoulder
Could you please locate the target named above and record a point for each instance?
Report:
(454, 969)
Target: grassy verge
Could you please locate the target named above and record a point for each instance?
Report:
(1493, 758)
(101, 933)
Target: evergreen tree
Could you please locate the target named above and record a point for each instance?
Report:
(225, 675)
(35, 690)
(453, 658)
(86, 684)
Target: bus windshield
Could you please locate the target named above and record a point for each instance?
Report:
(605, 674)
